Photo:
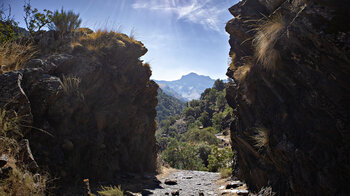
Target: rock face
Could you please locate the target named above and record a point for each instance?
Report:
(92, 108)
(290, 63)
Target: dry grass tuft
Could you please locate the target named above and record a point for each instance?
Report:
(268, 33)
(13, 56)
(261, 138)
(241, 73)
(22, 183)
(225, 172)
(111, 191)
(106, 39)
(71, 86)
(232, 59)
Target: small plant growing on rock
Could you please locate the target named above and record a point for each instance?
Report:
(261, 138)
(71, 86)
(111, 191)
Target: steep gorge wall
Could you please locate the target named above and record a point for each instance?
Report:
(291, 99)
(92, 108)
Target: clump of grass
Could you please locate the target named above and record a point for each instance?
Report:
(9, 123)
(106, 39)
(268, 33)
(9, 131)
(71, 86)
(21, 182)
(232, 59)
(225, 172)
(13, 56)
(110, 191)
(261, 138)
(241, 73)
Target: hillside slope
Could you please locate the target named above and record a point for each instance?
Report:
(167, 106)
(291, 95)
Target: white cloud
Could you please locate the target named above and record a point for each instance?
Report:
(206, 13)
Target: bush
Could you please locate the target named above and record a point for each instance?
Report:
(225, 172)
(205, 135)
(21, 182)
(8, 26)
(182, 155)
(220, 158)
(64, 21)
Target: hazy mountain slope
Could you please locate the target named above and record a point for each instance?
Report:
(189, 87)
(167, 106)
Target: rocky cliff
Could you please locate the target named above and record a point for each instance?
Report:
(89, 108)
(290, 64)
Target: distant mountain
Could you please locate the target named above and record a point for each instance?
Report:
(189, 87)
(167, 106)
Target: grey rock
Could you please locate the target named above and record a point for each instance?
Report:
(170, 181)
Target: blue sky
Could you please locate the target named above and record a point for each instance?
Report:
(182, 36)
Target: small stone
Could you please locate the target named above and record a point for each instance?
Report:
(234, 184)
(170, 181)
(175, 192)
(187, 177)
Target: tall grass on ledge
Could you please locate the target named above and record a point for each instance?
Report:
(268, 32)
(13, 56)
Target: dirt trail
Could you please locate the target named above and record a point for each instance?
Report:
(189, 183)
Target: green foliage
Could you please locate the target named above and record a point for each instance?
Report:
(34, 19)
(110, 191)
(219, 85)
(202, 135)
(8, 26)
(183, 155)
(220, 158)
(217, 121)
(197, 148)
(205, 119)
(168, 106)
(64, 21)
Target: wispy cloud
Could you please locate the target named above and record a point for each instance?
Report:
(204, 12)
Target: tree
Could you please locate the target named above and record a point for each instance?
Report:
(219, 85)
(34, 19)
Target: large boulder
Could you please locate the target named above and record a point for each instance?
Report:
(291, 97)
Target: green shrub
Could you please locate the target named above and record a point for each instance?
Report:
(202, 135)
(220, 158)
(225, 172)
(182, 155)
(64, 21)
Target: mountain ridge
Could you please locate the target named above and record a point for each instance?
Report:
(188, 87)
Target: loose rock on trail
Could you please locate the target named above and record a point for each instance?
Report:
(189, 183)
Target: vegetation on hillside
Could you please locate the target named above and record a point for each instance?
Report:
(188, 140)
(167, 106)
